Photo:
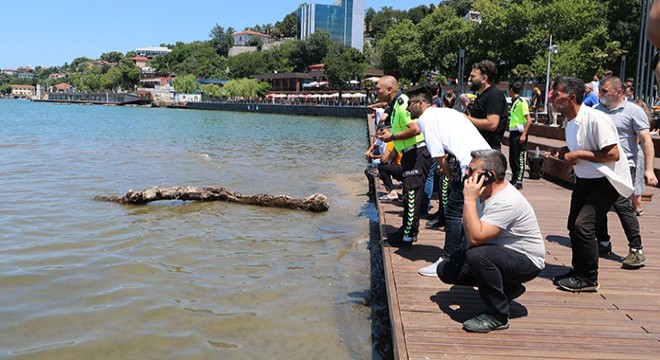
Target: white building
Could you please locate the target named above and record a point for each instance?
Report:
(152, 51)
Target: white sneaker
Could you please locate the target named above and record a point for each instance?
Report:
(431, 270)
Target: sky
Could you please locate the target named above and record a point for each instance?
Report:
(50, 33)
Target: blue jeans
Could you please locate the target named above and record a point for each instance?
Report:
(428, 186)
(454, 233)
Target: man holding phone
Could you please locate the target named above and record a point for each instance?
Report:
(446, 131)
(505, 243)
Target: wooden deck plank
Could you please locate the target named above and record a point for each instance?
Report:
(621, 321)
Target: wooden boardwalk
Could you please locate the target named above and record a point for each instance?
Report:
(620, 321)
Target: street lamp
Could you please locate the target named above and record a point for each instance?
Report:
(552, 49)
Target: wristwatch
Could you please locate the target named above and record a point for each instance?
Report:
(393, 137)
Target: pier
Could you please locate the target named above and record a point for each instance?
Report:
(620, 321)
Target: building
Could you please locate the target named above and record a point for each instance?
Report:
(152, 51)
(243, 37)
(344, 21)
(22, 91)
(140, 61)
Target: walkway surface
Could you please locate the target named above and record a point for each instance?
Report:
(620, 321)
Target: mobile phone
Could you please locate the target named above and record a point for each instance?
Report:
(489, 178)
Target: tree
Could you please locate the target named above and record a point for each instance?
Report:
(288, 27)
(384, 19)
(442, 35)
(244, 88)
(401, 52)
(342, 64)
(185, 84)
(222, 40)
(210, 91)
(311, 50)
(5, 89)
(112, 57)
(127, 76)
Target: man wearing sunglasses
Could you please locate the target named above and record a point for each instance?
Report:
(505, 243)
(446, 131)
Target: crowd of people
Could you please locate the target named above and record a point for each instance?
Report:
(492, 237)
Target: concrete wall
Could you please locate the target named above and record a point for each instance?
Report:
(307, 110)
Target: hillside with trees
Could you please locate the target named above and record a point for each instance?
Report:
(591, 35)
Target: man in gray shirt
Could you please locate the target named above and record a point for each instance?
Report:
(631, 124)
(506, 247)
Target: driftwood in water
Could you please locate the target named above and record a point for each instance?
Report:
(315, 203)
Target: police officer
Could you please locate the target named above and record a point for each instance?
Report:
(415, 162)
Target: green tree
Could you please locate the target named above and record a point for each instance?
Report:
(311, 50)
(262, 89)
(442, 35)
(210, 91)
(127, 76)
(342, 64)
(243, 88)
(198, 58)
(222, 40)
(288, 27)
(112, 57)
(5, 89)
(462, 7)
(384, 19)
(185, 84)
(401, 52)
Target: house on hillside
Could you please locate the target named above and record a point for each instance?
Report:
(63, 87)
(23, 91)
(243, 37)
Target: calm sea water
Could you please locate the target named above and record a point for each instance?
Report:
(82, 279)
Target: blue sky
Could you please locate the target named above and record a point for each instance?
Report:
(51, 33)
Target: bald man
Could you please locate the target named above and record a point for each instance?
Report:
(415, 161)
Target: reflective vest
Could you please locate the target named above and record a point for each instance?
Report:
(400, 118)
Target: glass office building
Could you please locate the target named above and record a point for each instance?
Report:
(344, 21)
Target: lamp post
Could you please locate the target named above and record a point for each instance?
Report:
(552, 49)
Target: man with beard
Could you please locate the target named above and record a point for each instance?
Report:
(632, 124)
(489, 112)
(446, 131)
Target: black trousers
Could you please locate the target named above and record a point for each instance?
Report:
(494, 269)
(388, 171)
(626, 212)
(517, 152)
(590, 201)
(415, 164)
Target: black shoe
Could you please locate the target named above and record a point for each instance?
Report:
(434, 224)
(485, 323)
(515, 292)
(396, 240)
(518, 185)
(604, 250)
(556, 279)
(578, 284)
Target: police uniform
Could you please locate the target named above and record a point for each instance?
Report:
(415, 163)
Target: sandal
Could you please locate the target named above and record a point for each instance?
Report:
(639, 212)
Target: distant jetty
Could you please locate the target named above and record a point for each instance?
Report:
(86, 97)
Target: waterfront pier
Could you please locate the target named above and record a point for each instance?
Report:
(620, 321)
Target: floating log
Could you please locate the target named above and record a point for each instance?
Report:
(315, 203)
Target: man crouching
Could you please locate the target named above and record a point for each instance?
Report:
(505, 249)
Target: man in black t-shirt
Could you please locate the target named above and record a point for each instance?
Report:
(489, 113)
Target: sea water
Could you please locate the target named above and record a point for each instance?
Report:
(83, 279)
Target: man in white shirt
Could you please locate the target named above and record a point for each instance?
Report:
(602, 174)
(506, 247)
(446, 131)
